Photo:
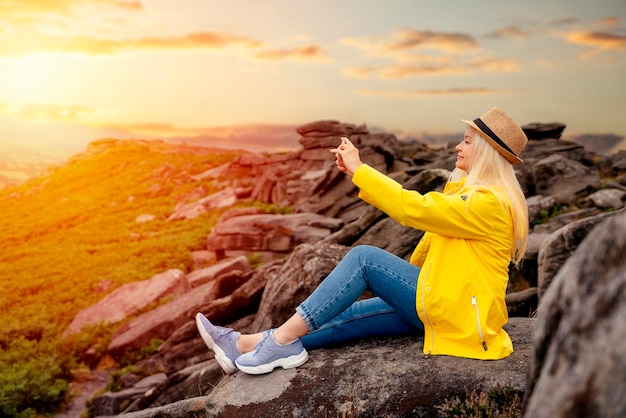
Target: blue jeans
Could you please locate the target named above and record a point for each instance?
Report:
(334, 314)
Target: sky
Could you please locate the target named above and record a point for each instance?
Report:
(245, 73)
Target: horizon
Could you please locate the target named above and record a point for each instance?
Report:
(245, 74)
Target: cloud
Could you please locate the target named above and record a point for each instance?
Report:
(610, 21)
(304, 53)
(419, 53)
(47, 112)
(599, 42)
(12, 8)
(435, 92)
(393, 72)
(565, 21)
(407, 39)
(508, 32)
(404, 44)
(97, 46)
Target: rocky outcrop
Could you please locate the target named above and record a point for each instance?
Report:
(578, 363)
(327, 219)
(130, 299)
(382, 377)
(263, 234)
(559, 246)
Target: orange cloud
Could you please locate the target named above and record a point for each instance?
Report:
(404, 71)
(97, 46)
(35, 12)
(433, 92)
(396, 72)
(404, 43)
(495, 65)
(508, 32)
(448, 42)
(610, 21)
(47, 112)
(598, 41)
(305, 53)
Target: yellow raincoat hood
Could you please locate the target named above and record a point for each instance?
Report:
(464, 258)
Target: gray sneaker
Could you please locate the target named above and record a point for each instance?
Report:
(223, 342)
(268, 355)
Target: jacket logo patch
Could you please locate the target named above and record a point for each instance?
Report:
(464, 197)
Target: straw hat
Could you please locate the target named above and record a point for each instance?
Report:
(501, 131)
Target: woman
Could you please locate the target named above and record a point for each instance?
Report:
(452, 289)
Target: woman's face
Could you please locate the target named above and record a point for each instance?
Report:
(465, 150)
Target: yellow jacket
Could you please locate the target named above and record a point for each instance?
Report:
(464, 258)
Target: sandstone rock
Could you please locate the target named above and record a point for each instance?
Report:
(269, 232)
(225, 299)
(578, 360)
(538, 205)
(537, 150)
(369, 378)
(564, 219)
(397, 380)
(223, 198)
(129, 299)
(538, 130)
(201, 276)
(606, 199)
(301, 273)
(560, 246)
(563, 178)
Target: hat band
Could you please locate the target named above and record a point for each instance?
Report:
(491, 134)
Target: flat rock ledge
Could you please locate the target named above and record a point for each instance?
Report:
(382, 377)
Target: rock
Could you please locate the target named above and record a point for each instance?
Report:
(201, 276)
(146, 217)
(223, 299)
(561, 181)
(540, 206)
(223, 198)
(537, 130)
(578, 360)
(130, 299)
(605, 199)
(522, 303)
(563, 178)
(301, 273)
(560, 246)
(334, 381)
(274, 233)
(564, 219)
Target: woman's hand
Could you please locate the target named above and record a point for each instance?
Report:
(347, 156)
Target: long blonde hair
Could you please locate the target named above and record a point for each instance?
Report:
(489, 168)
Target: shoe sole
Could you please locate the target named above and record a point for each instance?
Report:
(220, 355)
(285, 363)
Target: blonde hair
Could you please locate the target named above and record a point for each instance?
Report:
(490, 168)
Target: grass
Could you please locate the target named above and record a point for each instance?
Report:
(72, 233)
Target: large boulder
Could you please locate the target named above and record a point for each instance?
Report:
(130, 299)
(268, 234)
(382, 377)
(558, 247)
(564, 178)
(578, 360)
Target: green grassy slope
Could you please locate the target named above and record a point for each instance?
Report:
(68, 232)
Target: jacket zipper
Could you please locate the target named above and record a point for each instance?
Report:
(430, 326)
(480, 330)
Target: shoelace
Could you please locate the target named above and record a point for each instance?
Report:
(221, 331)
(263, 347)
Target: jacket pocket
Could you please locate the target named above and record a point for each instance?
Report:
(478, 326)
